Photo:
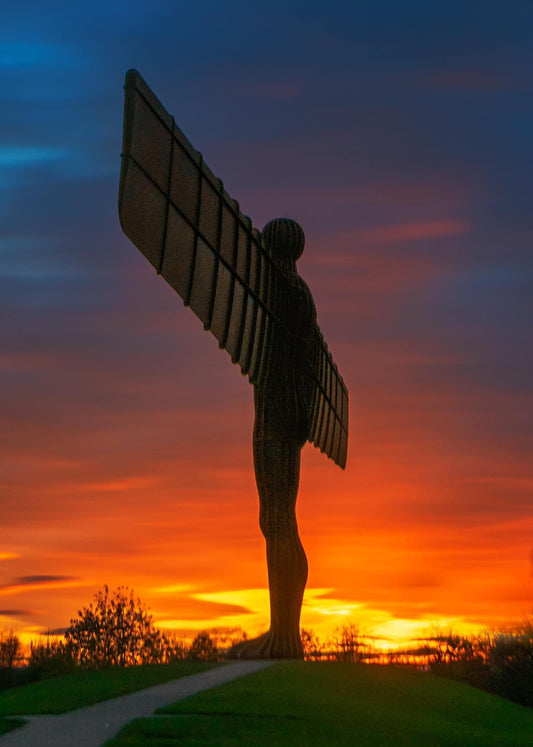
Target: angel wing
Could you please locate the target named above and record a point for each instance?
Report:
(179, 215)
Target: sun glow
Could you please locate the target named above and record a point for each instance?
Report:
(322, 613)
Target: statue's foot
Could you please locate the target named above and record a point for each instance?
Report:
(269, 646)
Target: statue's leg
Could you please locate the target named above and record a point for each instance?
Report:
(277, 471)
(277, 468)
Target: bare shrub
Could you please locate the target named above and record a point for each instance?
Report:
(9, 649)
(348, 644)
(312, 645)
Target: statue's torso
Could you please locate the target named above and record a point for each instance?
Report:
(282, 399)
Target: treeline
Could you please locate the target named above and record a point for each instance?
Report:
(500, 663)
(53, 656)
(117, 630)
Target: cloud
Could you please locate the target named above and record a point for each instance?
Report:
(24, 583)
(130, 483)
(409, 232)
(17, 55)
(282, 90)
(29, 156)
(192, 608)
(360, 239)
(473, 80)
(36, 580)
(17, 363)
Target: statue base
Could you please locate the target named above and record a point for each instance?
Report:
(269, 646)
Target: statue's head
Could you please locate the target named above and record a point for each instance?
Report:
(285, 239)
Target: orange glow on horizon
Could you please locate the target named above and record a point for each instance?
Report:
(194, 554)
(429, 526)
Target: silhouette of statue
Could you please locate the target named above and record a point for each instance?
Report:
(282, 424)
(244, 287)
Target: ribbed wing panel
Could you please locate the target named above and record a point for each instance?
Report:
(179, 215)
(181, 218)
(329, 410)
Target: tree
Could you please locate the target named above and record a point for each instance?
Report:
(9, 649)
(348, 644)
(449, 648)
(50, 657)
(203, 648)
(173, 649)
(313, 646)
(115, 630)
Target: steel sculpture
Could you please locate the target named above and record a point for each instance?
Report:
(244, 287)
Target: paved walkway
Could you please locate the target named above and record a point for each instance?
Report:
(94, 725)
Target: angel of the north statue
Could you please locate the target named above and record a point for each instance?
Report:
(244, 287)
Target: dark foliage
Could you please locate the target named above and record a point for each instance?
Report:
(115, 630)
(312, 645)
(501, 664)
(348, 644)
(50, 658)
(9, 649)
(203, 648)
(10, 676)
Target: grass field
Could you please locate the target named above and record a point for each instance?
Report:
(297, 704)
(9, 724)
(71, 691)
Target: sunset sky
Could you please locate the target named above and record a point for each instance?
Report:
(399, 134)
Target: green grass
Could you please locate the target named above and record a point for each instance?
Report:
(297, 704)
(7, 724)
(72, 691)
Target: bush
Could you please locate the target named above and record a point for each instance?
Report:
(9, 653)
(511, 665)
(501, 663)
(50, 658)
(116, 630)
(203, 648)
(9, 649)
(174, 649)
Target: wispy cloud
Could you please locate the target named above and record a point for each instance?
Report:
(408, 232)
(27, 156)
(24, 583)
(474, 80)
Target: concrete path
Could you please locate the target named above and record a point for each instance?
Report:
(94, 725)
